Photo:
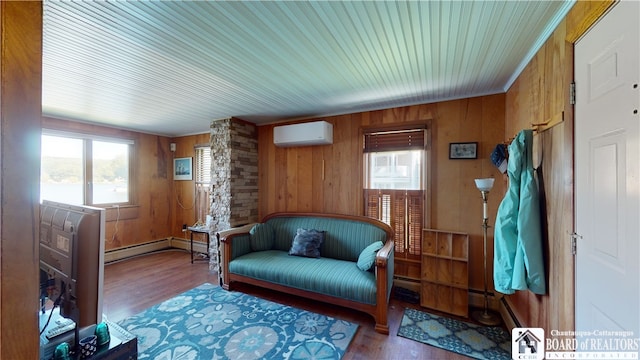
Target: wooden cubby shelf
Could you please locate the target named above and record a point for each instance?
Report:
(445, 271)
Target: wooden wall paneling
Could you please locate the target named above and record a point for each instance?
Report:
(182, 200)
(491, 120)
(557, 190)
(583, 15)
(335, 173)
(434, 155)
(534, 112)
(374, 117)
(469, 214)
(20, 125)
(446, 195)
(266, 184)
(549, 97)
(317, 179)
(494, 109)
(564, 223)
(148, 218)
(291, 179)
(550, 171)
(272, 172)
(182, 192)
(513, 104)
(530, 309)
(556, 85)
(266, 171)
(347, 163)
(356, 165)
(326, 203)
(87, 128)
(519, 305)
(357, 168)
(155, 174)
(280, 167)
(304, 174)
(154, 168)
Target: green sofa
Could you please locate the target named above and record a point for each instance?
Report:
(258, 254)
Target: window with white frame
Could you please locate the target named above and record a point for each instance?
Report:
(84, 169)
(203, 181)
(394, 189)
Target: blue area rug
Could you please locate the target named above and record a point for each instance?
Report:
(208, 322)
(478, 342)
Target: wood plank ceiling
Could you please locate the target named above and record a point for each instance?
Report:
(171, 67)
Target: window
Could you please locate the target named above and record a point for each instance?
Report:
(394, 189)
(203, 181)
(84, 170)
(395, 170)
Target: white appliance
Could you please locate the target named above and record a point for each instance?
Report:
(303, 134)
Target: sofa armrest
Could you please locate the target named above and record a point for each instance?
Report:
(383, 255)
(232, 243)
(235, 231)
(385, 259)
(384, 282)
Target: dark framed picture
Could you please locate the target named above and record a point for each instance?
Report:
(182, 169)
(464, 150)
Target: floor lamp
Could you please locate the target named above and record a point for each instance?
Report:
(484, 316)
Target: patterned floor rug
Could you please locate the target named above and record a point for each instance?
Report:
(478, 342)
(208, 322)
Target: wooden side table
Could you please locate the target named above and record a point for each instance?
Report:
(199, 230)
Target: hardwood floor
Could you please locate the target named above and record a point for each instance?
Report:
(135, 284)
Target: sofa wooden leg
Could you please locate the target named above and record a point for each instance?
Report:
(382, 329)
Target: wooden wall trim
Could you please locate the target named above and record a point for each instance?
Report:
(408, 125)
(579, 24)
(87, 128)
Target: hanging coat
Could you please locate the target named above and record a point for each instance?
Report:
(518, 261)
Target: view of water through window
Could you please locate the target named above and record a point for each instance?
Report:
(62, 176)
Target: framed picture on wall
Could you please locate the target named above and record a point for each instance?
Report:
(465, 150)
(183, 168)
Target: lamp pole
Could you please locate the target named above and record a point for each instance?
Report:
(485, 317)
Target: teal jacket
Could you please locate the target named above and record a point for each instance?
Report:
(518, 263)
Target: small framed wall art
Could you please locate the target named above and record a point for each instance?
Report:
(464, 150)
(183, 168)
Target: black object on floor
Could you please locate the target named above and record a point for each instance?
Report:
(406, 295)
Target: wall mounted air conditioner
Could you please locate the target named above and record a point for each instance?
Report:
(304, 134)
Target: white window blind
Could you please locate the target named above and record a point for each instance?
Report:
(203, 165)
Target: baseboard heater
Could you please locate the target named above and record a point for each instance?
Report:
(134, 250)
(510, 319)
(184, 244)
(151, 246)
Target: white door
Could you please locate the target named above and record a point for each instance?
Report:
(607, 183)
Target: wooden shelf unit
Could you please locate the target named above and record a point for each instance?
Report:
(445, 271)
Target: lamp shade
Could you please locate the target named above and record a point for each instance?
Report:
(485, 184)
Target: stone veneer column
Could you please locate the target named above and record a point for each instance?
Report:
(234, 178)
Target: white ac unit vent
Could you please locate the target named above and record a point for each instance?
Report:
(304, 134)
